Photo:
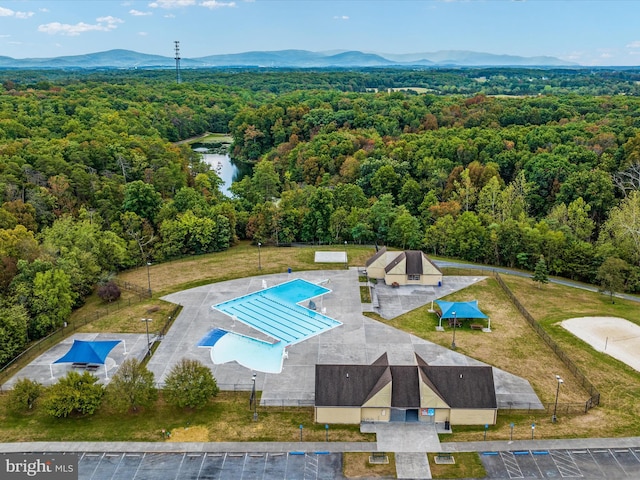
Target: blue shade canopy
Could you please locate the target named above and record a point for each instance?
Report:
(461, 309)
(88, 352)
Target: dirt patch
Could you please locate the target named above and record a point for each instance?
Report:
(189, 434)
(616, 337)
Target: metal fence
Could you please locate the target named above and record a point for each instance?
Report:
(132, 287)
(547, 408)
(594, 399)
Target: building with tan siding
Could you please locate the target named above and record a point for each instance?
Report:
(409, 267)
(460, 395)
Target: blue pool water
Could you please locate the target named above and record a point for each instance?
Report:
(249, 352)
(277, 312)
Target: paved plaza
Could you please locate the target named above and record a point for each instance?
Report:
(359, 340)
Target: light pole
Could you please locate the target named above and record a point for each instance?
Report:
(346, 261)
(146, 322)
(259, 260)
(554, 418)
(149, 278)
(453, 342)
(255, 400)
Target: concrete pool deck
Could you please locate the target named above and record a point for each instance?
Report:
(360, 340)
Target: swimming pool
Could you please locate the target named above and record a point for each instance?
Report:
(276, 311)
(247, 351)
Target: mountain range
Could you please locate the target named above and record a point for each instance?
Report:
(285, 59)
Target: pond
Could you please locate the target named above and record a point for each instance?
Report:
(225, 169)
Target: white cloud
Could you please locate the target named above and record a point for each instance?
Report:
(7, 12)
(43, 10)
(110, 21)
(138, 13)
(4, 36)
(172, 3)
(341, 17)
(105, 24)
(169, 15)
(635, 44)
(212, 4)
(143, 34)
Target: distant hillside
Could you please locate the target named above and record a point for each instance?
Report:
(283, 59)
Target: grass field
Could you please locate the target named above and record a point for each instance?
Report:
(226, 418)
(512, 345)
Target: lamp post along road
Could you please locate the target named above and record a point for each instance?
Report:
(255, 400)
(149, 278)
(146, 322)
(554, 418)
(259, 259)
(453, 342)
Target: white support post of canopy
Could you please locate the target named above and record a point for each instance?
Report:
(125, 346)
(51, 368)
(106, 375)
(488, 329)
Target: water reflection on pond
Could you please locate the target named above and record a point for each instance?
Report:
(225, 169)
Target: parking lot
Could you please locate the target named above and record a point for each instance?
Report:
(201, 466)
(609, 463)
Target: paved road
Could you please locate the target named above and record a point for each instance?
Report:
(520, 273)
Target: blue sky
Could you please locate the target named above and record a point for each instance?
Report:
(595, 32)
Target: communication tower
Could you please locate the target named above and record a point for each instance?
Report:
(177, 45)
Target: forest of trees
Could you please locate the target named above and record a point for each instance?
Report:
(92, 182)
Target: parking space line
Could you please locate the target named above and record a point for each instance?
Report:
(204, 458)
(618, 461)
(180, 466)
(510, 463)
(565, 464)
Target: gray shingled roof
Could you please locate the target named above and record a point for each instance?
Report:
(347, 385)
(464, 386)
(353, 385)
(405, 390)
(414, 262)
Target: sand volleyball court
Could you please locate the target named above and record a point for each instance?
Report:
(614, 336)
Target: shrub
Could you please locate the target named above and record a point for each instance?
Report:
(74, 393)
(25, 393)
(109, 292)
(190, 384)
(131, 387)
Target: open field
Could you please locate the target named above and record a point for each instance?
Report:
(238, 262)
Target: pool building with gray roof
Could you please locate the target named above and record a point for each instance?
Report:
(408, 267)
(460, 394)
